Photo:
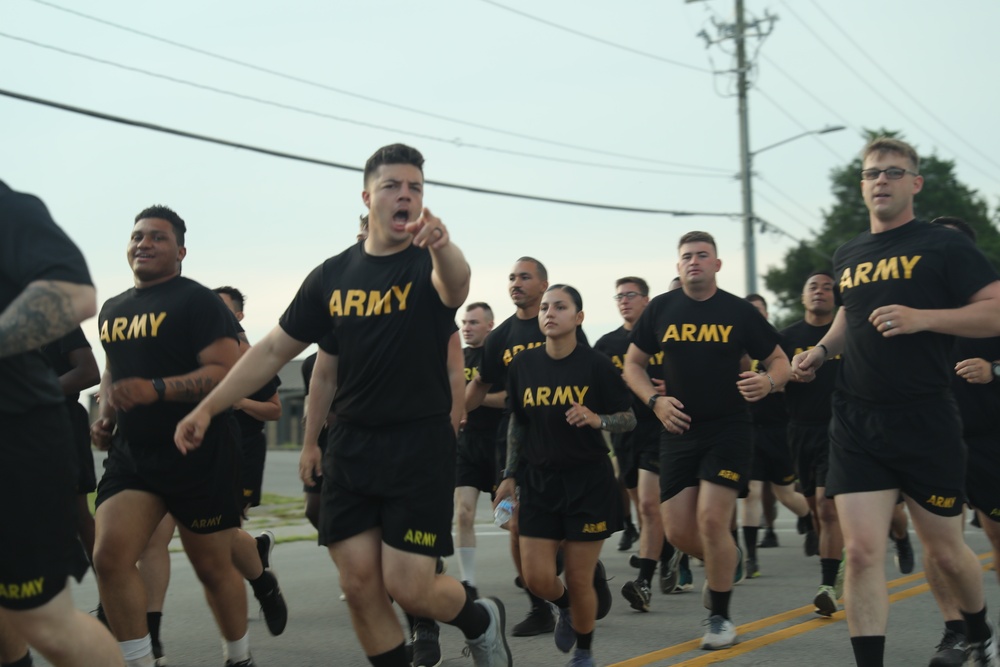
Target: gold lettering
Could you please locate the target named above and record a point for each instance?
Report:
(562, 396)
(908, 266)
(379, 303)
(402, 294)
(335, 307)
(725, 329)
(687, 332)
(861, 272)
(527, 400)
(580, 393)
(708, 332)
(543, 394)
(355, 299)
(155, 321)
(104, 332)
(885, 269)
(845, 280)
(118, 328)
(138, 327)
(670, 333)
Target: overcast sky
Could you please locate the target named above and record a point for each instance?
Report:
(494, 99)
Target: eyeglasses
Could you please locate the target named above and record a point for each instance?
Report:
(892, 173)
(627, 295)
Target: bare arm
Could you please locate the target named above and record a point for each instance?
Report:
(456, 378)
(755, 386)
(980, 318)
(104, 425)
(265, 411)
(667, 409)
(496, 399)
(805, 364)
(322, 389)
(475, 393)
(44, 311)
(84, 373)
(254, 369)
(451, 272)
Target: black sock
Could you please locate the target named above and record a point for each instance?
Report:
(153, 622)
(393, 658)
(263, 584)
(563, 601)
(472, 620)
(668, 551)
(583, 641)
(647, 566)
(536, 602)
(685, 562)
(720, 603)
(868, 651)
(829, 567)
(976, 629)
(23, 662)
(750, 539)
(956, 626)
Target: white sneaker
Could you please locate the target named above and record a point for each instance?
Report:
(721, 633)
(983, 654)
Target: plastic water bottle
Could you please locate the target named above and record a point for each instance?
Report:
(501, 515)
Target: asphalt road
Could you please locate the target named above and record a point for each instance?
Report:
(776, 622)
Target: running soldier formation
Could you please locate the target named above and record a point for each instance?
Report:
(699, 398)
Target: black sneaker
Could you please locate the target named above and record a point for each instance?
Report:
(904, 554)
(470, 590)
(811, 543)
(629, 536)
(265, 545)
(539, 621)
(603, 591)
(984, 653)
(242, 663)
(670, 572)
(272, 604)
(635, 561)
(638, 594)
(951, 650)
(804, 524)
(769, 541)
(426, 646)
(159, 659)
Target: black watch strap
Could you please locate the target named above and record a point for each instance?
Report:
(652, 401)
(995, 367)
(161, 388)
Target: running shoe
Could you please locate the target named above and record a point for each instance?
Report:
(272, 604)
(565, 636)
(265, 545)
(721, 633)
(769, 541)
(603, 590)
(804, 524)
(904, 554)
(984, 653)
(539, 621)
(426, 644)
(490, 649)
(242, 663)
(669, 572)
(638, 594)
(581, 658)
(752, 569)
(951, 650)
(825, 601)
(685, 581)
(629, 536)
(811, 543)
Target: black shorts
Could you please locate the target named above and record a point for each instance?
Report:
(254, 453)
(772, 458)
(324, 435)
(644, 442)
(400, 479)
(212, 505)
(812, 443)
(916, 448)
(86, 477)
(478, 463)
(981, 486)
(627, 457)
(39, 549)
(719, 451)
(580, 504)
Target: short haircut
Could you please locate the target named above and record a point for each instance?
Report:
(363, 223)
(539, 267)
(698, 237)
(821, 272)
(757, 297)
(573, 294)
(485, 306)
(881, 145)
(165, 213)
(234, 294)
(957, 223)
(393, 154)
(643, 285)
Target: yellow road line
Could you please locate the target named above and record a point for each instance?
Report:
(779, 635)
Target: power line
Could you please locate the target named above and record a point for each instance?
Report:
(326, 163)
(594, 38)
(366, 98)
(795, 82)
(780, 209)
(876, 91)
(342, 119)
(795, 120)
(789, 199)
(913, 98)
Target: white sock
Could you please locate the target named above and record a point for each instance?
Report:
(135, 650)
(239, 650)
(467, 563)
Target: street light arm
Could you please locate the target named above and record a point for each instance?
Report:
(825, 130)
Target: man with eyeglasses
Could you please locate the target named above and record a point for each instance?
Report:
(906, 288)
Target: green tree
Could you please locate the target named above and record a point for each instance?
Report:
(942, 194)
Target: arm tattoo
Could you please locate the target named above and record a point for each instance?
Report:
(41, 313)
(620, 422)
(515, 442)
(191, 389)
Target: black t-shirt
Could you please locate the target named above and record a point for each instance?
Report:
(250, 426)
(704, 342)
(57, 354)
(614, 345)
(391, 333)
(32, 247)
(542, 389)
(918, 265)
(506, 341)
(809, 402)
(158, 332)
(978, 403)
(482, 418)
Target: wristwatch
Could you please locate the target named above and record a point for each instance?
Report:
(652, 401)
(604, 422)
(161, 388)
(995, 367)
